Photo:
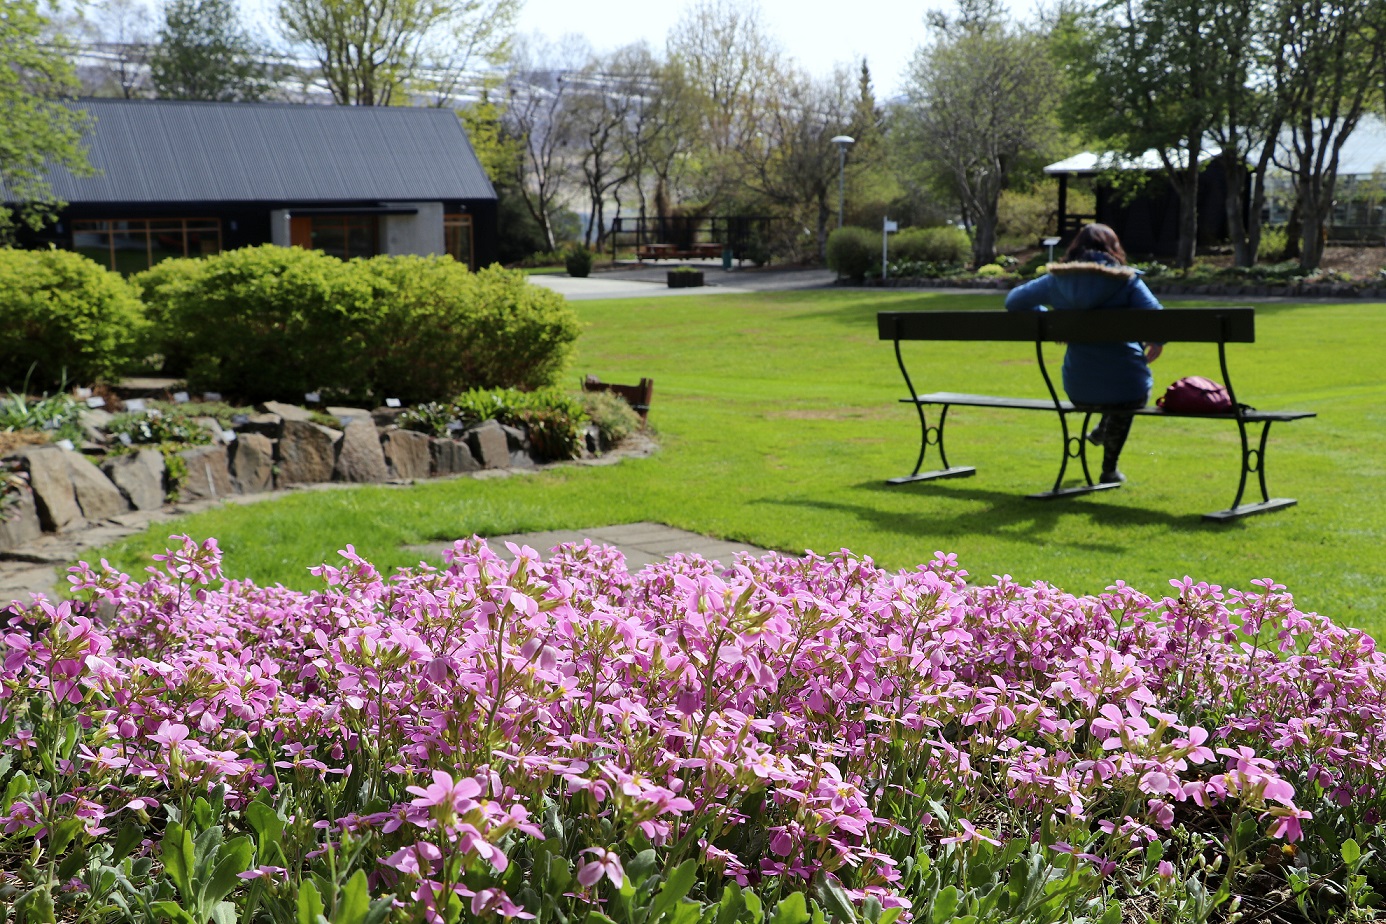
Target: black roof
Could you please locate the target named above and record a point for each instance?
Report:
(180, 151)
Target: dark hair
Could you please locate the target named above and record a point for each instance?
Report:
(1095, 239)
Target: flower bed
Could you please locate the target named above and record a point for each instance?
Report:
(784, 741)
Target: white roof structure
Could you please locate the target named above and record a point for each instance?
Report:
(1087, 163)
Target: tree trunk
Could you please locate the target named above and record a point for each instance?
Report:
(1234, 169)
(984, 238)
(824, 213)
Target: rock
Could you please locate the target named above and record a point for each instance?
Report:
(208, 477)
(94, 423)
(210, 424)
(252, 463)
(21, 524)
(593, 438)
(360, 458)
(307, 453)
(452, 457)
(271, 425)
(139, 476)
(520, 458)
(286, 411)
(407, 453)
(384, 416)
(348, 414)
(489, 444)
(515, 437)
(98, 498)
(51, 482)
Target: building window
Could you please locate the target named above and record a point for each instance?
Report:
(132, 245)
(343, 236)
(457, 239)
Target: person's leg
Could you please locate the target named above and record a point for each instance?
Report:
(1115, 428)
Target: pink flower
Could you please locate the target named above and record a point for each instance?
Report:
(170, 735)
(603, 863)
(969, 835)
(453, 796)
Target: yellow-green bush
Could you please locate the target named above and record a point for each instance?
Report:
(274, 322)
(948, 244)
(64, 317)
(853, 252)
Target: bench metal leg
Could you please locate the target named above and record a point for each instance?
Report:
(1253, 461)
(933, 436)
(1075, 447)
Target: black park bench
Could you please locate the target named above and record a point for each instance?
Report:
(1191, 325)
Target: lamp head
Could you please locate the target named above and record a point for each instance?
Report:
(844, 139)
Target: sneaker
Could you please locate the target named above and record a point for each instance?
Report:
(1112, 477)
(1097, 435)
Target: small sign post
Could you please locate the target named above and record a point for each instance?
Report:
(887, 226)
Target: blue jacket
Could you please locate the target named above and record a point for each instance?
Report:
(1094, 373)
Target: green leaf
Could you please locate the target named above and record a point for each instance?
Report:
(836, 902)
(679, 883)
(641, 867)
(731, 905)
(309, 903)
(36, 906)
(266, 822)
(127, 840)
(355, 901)
(753, 906)
(685, 913)
(233, 858)
(63, 833)
(945, 906)
(172, 911)
(179, 859)
(1350, 851)
(1113, 913)
(889, 915)
(224, 913)
(790, 910)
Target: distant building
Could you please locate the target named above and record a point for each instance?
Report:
(191, 178)
(1359, 199)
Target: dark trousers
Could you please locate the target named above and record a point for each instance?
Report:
(1112, 430)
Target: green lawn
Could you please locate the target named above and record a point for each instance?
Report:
(779, 422)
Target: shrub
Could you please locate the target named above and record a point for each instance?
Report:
(276, 322)
(266, 322)
(65, 318)
(58, 415)
(1275, 240)
(992, 271)
(613, 416)
(153, 427)
(948, 244)
(553, 419)
(578, 261)
(853, 252)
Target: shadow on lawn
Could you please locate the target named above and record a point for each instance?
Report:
(1007, 513)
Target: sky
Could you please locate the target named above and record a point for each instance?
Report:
(817, 33)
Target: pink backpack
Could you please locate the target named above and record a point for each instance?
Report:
(1196, 395)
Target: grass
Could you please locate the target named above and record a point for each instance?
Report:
(779, 422)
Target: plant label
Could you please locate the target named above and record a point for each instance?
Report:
(125, 439)
(228, 436)
(84, 392)
(312, 397)
(134, 405)
(96, 401)
(211, 396)
(66, 444)
(180, 397)
(392, 402)
(240, 420)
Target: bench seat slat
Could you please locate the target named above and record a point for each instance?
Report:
(1042, 404)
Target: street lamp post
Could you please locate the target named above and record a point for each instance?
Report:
(842, 141)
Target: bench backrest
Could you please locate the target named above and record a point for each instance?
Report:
(1190, 325)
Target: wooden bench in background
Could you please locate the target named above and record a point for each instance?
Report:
(703, 251)
(637, 396)
(1193, 325)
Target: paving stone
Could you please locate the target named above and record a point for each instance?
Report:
(452, 457)
(51, 481)
(307, 453)
(407, 453)
(286, 411)
(252, 463)
(139, 476)
(208, 475)
(360, 459)
(21, 525)
(489, 444)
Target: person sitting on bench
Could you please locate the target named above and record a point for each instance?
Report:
(1113, 376)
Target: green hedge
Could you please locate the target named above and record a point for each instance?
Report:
(276, 322)
(853, 252)
(931, 245)
(65, 317)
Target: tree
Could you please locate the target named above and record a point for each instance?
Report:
(980, 102)
(37, 131)
(1333, 57)
(204, 53)
(1141, 77)
(795, 165)
(119, 36)
(372, 51)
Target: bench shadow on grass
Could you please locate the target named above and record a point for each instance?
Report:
(1015, 514)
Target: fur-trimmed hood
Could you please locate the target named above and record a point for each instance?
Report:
(1112, 270)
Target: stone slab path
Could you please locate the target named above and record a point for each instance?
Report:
(641, 543)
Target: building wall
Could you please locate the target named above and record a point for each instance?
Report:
(420, 234)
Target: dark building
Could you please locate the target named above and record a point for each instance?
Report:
(183, 178)
(1148, 221)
